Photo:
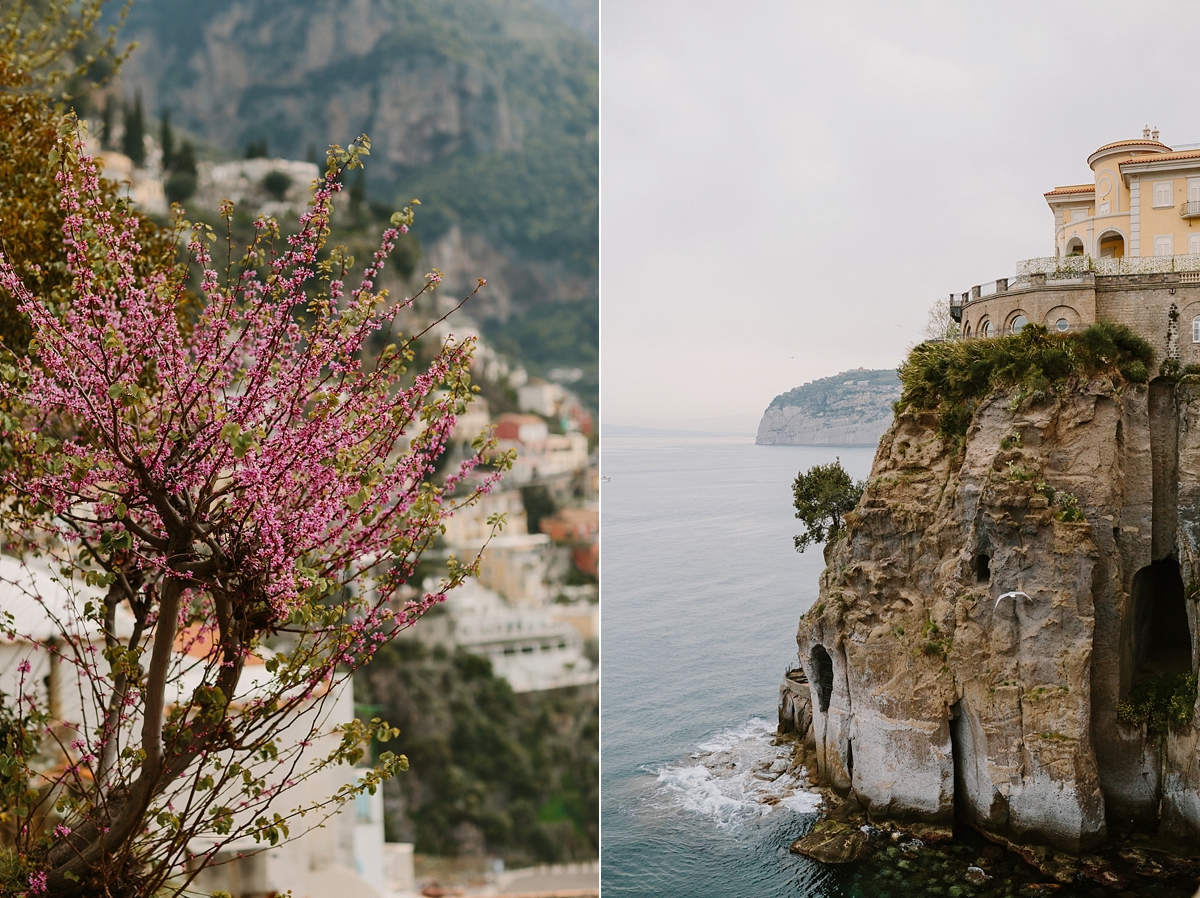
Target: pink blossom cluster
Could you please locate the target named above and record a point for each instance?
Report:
(257, 433)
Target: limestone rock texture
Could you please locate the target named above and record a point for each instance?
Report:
(971, 642)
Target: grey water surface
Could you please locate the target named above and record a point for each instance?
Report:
(702, 594)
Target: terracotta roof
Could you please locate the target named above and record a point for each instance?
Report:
(1144, 142)
(1074, 188)
(1163, 157)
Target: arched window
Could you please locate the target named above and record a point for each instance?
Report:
(1062, 325)
(1196, 329)
(985, 328)
(967, 331)
(1019, 323)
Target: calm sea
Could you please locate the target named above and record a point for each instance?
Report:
(702, 595)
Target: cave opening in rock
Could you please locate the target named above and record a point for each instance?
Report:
(983, 568)
(959, 744)
(1159, 638)
(822, 666)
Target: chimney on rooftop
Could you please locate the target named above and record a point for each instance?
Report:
(1145, 132)
(1154, 134)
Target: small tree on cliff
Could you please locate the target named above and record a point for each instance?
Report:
(822, 496)
(237, 479)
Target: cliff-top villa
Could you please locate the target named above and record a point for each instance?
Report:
(1126, 249)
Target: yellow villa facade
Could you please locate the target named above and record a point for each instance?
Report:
(1126, 249)
(1144, 200)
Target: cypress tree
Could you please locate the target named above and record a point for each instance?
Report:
(182, 182)
(167, 139)
(185, 159)
(135, 130)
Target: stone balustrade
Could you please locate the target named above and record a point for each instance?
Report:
(1062, 267)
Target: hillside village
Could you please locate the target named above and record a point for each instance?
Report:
(534, 580)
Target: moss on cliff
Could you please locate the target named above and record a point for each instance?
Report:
(952, 377)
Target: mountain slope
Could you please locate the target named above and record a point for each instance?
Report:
(488, 106)
(487, 110)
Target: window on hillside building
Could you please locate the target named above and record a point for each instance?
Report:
(1163, 194)
(1062, 325)
(1196, 329)
(1019, 324)
(1194, 190)
(985, 328)
(1164, 245)
(1193, 244)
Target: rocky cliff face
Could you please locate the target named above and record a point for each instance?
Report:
(975, 633)
(413, 75)
(851, 408)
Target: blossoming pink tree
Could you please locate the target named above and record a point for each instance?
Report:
(238, 480)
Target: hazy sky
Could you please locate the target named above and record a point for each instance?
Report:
(786, 187)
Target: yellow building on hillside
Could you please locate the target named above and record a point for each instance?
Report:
(1126, 250)
(1144, 200)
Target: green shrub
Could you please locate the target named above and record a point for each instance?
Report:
(822, 496)
(952, 377)
(277, 183)
(1068, 508)
(1159, 702)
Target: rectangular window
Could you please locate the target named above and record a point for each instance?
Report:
(1194, 190)
(1193, 244)
(1164, 245)
(1163, 194)
(1196, 329)
(1104, 209)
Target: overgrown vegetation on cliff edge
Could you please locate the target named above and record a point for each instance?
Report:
(952, 377)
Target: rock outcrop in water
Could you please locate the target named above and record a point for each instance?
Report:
(848, 409)
(991, 605)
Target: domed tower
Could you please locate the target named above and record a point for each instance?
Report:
(1102, 219)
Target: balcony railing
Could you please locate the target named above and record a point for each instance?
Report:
(1064, 267)
(1190, 209)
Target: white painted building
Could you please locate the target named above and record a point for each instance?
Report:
(526, 645)
(540, 397)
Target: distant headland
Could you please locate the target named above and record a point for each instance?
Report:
(853, 408)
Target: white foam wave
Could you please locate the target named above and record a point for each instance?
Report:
(737, 775)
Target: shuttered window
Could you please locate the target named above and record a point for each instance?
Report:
(1163, 195)
(1164, 245)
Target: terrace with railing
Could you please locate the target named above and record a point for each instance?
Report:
(1063, 271)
